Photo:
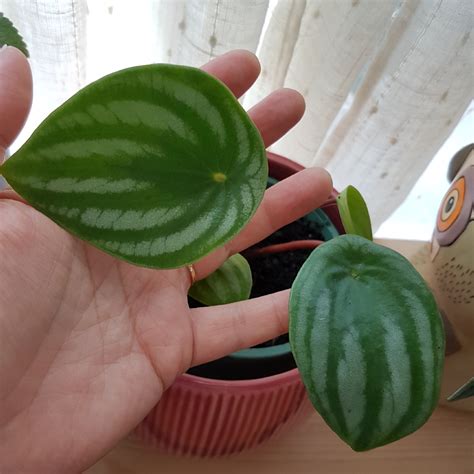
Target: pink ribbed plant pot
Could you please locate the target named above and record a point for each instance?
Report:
(206, 417)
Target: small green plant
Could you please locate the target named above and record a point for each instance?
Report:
(465, 391)
(159, 165)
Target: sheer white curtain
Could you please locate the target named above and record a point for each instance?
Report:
(385, 81)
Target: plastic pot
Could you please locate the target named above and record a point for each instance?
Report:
(204, 416)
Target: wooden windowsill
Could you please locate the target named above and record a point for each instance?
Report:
(444, 445)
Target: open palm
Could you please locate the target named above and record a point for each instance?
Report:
(89, 343)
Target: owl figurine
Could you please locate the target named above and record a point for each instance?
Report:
(451, 276)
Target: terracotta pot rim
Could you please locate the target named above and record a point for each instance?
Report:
(286, 162)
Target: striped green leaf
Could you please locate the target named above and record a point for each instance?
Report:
(9, 35)
(368, 340)
(231, 282)
(157, 165)
(354, 213)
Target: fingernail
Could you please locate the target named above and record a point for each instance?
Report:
(326, 172)
(4, 51)
(7, 50)
(329, 176)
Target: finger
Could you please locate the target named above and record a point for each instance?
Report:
(238, 70)
(221, 330)
(283, 203)
(274, 115)
(15, 95)
(8, 193)
(277, 113)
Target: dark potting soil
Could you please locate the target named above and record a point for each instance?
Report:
(276, 272)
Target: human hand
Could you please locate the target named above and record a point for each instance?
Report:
(89, 343)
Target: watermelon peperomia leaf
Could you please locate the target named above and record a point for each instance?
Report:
(9, 35)
(368, 340)
(157, 165)
(231, 282)
(354, 213)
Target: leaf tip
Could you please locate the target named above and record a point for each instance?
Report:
(9, 35)
(354, 212)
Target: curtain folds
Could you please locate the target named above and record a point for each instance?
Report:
(55, 32)
(385, 81)
(194, 31)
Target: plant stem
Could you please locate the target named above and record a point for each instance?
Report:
(285, 247)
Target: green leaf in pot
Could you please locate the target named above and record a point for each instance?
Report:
(354, 213)
(231, 282)
(157, 165)
(368, 340)
(9, 35)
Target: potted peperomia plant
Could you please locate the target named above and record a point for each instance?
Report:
(159, 165)
(243, 399)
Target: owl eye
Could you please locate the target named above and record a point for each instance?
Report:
(452, 205)
(449, 204)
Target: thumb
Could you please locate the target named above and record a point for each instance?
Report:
(15, 95)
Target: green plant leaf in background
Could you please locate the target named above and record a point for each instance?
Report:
(368, 340)
(9, 35)
(231, 282)
(157, 165)
(354, 213)
(465, 391)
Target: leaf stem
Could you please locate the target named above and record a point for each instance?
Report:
(285, 247)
